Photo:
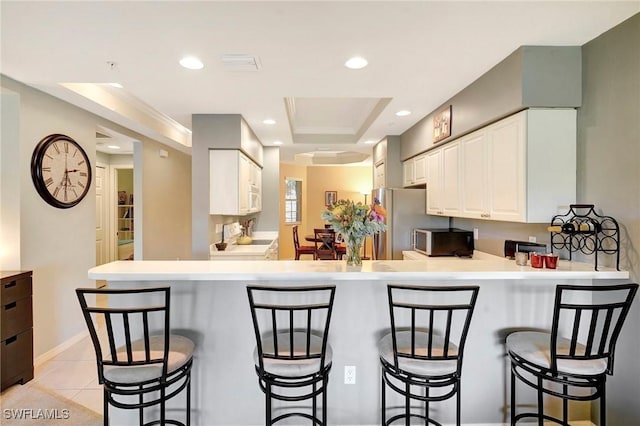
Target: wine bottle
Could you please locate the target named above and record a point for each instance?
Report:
(573, 227)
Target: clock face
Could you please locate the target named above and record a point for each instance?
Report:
(61, 171)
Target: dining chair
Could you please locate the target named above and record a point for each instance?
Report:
(300, 250)
(325, 244)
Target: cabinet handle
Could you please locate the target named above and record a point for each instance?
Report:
(10, 306)
(11, 284)
(10, 340)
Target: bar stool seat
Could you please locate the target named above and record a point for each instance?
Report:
(415, 365)
(180, 353)
(293, 367)
(534, 347)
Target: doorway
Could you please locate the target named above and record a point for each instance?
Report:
(125, 214)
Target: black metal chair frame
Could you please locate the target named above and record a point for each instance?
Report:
(604, 336)
(150, 389)
(426, 382)
(318, 381)
(301, 250)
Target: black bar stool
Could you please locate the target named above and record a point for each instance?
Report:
(292, 357)
(564, 367)
(421, 356)
(153, 368)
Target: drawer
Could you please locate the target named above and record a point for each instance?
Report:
(15, 289)
(16, 355)
(15, 317)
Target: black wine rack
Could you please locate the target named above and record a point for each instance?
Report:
(600, 234)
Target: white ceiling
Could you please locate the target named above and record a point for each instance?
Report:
(420, 54)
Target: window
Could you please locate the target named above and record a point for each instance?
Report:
(293, 200)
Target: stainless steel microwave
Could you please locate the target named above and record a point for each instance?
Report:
(443, 242)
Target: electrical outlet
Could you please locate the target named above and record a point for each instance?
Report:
(475, 233)
(349, 374)
(532, 239)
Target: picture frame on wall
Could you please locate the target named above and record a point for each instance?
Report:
(330, 197)
(442, 124)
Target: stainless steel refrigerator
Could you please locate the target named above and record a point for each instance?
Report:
(406, 210)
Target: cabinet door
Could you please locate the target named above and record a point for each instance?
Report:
(450, 194)
(224, 181)
(420, 169)
(408, 172)
(474, 175)
(244, 184)
(379, 176)
(506, 169)
(433, 161)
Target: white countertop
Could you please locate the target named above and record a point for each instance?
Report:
(481, 267)
(234, 249)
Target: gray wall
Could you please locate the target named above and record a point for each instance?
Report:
(609, 177)
(531, 76)
(59, 245)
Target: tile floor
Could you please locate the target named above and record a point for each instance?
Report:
(71, 374)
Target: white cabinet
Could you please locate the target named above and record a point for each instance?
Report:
(379, 180)
(414, 171)
(443, 180)
(520, 169)
(235, 183)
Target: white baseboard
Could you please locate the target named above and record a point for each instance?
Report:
(60, 348)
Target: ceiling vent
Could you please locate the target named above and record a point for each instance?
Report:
(241, 62)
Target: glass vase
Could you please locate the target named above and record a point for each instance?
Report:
(354, 245)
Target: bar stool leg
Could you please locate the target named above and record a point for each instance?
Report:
(458, 403)
(540, 403)
(513, 398)
(426, 406)
(325, 383)
(267, 394)
(603, 404)
(189, 401)
(105, 407)
(140, 410)
(384, 400)
(314, 403)
(407, 405)
(565, 403)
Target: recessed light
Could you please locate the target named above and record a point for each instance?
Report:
(192, 63)
(277, 142)
(116, 85)
(113, 147)
(269, 121)
(403, 113)
(369, 142)
(356, 63)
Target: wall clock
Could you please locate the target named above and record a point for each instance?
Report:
(61, 171)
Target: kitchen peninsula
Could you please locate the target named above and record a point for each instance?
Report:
(209, 304)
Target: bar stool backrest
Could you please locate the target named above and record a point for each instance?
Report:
(113, 329)
(430, 323)
(591, 317)
(291, 323)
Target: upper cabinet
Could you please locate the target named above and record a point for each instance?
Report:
(414, 171)
(235, 183)
(519, 169)
(443, 180)
(386, 163)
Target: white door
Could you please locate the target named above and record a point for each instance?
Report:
(101, 216)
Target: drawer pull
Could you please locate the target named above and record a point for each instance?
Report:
(10, 306)
(10, 340)
(11, 284)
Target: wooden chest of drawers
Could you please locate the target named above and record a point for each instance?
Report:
(16, 328)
